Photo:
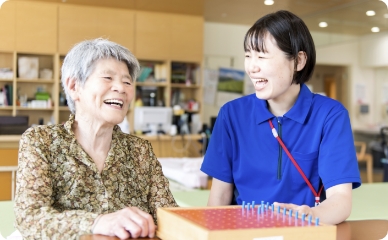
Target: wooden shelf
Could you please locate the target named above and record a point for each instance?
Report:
(21, 80)
(34, 109)
(180, 85)
(152, 84)
(47, 38)
(6, 80)
(63, 108)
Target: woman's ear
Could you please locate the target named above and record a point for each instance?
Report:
(302, 58)
(72, 87)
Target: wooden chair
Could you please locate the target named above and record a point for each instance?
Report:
(362, 156)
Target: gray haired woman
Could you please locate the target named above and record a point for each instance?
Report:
(87, 176)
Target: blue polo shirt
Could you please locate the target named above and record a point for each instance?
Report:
(316, 131)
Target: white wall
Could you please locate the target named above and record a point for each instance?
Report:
(362, 56)
(223, 47)
(348, 54)
(374, 50)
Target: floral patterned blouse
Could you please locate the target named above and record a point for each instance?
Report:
(60, 192)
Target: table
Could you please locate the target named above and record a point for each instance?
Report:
(349, 230)
(369, 203)
(368, 200)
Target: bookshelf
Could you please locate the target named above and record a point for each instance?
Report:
(170, 83)
(47, 31)
(30, 87)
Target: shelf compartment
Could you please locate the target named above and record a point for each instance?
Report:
(7, 72)
(151, 95)
(184, 73)
(35, 66)
(152, 72)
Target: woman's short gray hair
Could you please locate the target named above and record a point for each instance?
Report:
(79, 62)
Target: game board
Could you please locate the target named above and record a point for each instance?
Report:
(236, 222)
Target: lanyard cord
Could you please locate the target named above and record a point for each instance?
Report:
(275, 134)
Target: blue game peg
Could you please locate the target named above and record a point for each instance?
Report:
(316, 221)
(284, 211)
(248, 206)
(278, 209)
(296, 214)
(290, 212)
(310, 219)
(273, 208)
(303, 217)
(253, 204)
(243, 204)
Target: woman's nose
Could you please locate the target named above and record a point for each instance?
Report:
(254, 65)
(118, 86)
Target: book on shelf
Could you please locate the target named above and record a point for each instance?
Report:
(152, 72)
(160, 72)
(184, 73)
(6, 95)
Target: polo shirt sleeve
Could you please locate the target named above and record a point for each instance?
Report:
(337, 161)
(218, 158)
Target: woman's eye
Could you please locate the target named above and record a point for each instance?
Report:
(109, 78)
(128, 83)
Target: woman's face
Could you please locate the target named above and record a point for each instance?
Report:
(107, 92)
(271, 72)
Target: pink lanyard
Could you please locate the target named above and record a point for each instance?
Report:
(275, 134)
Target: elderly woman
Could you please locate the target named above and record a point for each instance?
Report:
(86, 176)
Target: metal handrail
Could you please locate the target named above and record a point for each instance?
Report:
(12, 169)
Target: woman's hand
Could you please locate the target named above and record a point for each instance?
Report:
(334, 210)
(129, 222)
(302, 209)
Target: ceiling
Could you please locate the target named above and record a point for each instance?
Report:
(342, 16)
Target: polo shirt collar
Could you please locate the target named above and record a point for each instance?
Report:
(298, 112)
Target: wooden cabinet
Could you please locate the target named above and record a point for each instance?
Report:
(77, 23)
(186, 38)
(47, 31)
(7, 26)
(118, 26)
(21, 91)
(36, 27)
(152, 35)
(8, 159)
(169, 36)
